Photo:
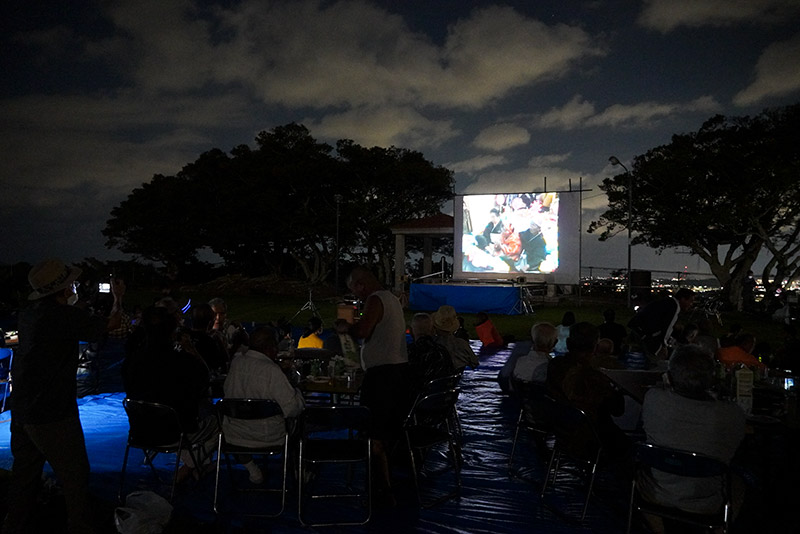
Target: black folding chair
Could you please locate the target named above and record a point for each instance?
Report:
(577, 439)
(156, 429)
(535, 416)
(446, 383)
(334, 435)
(685, 464)
(250, 410)
(429, 424)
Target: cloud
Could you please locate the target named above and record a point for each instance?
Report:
(530, 178)
(579, 113)
(572, 115)
(667, 15)
(386, 126)
(777, 73)
(548, 159)
(476, 164)
(501, 137)
(342, 54)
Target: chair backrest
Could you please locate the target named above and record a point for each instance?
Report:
(433, 408)
(537, 406)
(152, 425)
(574, 431)
(443, 383)
(678, 462)
(335, 418)
(248, 409)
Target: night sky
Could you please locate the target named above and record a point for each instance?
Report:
(96, 97)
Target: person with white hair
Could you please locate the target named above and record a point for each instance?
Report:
(686, 416)
(532, 367)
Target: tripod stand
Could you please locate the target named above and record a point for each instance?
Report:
(309, 305)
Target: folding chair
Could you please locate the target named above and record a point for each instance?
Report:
(155, 428)
(250, 410)
(446, 383)
(535, 415)
(429, 424)
(685, 464)
(6, 359)
(334, 435)
(576, 438)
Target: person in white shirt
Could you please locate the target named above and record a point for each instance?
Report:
(255, 375)
(532, 367)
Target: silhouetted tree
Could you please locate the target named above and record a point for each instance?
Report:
(272, 208)
(725, 192)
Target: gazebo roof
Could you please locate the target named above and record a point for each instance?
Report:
(436, 225)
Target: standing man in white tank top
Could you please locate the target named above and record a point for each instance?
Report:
(385, 390)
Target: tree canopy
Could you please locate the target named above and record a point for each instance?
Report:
(727, 192)
(274, 208)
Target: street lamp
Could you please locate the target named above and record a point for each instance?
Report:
(338, 199)
(614, 161)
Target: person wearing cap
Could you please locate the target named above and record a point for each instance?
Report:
(44, 412)
(445, 321)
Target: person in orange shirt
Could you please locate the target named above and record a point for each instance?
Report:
(741, 352)
(487, 332)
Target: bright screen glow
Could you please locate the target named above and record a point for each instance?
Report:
(513, 233)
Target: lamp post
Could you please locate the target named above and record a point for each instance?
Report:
(338, 199)
(614, 161)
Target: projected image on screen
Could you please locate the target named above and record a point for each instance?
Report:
(510, 233)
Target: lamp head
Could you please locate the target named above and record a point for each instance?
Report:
(613, 160)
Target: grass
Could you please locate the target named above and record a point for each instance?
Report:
(266, 307)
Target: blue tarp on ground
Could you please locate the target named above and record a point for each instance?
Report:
(493, 299)
(493, 499)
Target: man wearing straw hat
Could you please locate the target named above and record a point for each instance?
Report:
(44, 411)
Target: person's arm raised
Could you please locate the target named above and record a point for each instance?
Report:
(118, 291)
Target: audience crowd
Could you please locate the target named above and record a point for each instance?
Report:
(176, 364)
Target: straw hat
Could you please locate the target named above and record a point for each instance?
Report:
(51, 276)
(445, 319)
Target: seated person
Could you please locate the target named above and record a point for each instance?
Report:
(533, 245)
(342, 343)
(310, 338)
(494, 226)
(446, 323)
(232, 333)
(487, 332)
(255, 375)
(740, 352)
(509, 248)
(158, 369)
(571, 379)
(705, 338)
(427, 359)
(532, 367)
(604, 357)
(461, 332)
(567, 320)
(211, 348)
(685, 416)
(613, 330)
